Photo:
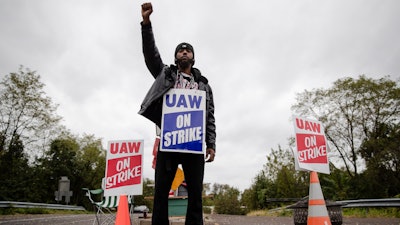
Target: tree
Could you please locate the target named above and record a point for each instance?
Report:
(352, 111)
(226, 199)
(382, 155)
(60, 160)
(16, 173)
(26, 112)
(81, 159)
(255, 197)
(361, 118)
(91, 164)
(29, 124)
(148, 191)
(278, 179)
(27, 119)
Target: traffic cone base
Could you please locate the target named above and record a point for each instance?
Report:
(123, 217)
(318, 220)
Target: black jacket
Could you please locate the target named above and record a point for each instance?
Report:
(165, 77)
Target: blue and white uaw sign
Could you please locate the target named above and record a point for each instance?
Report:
(183, 121)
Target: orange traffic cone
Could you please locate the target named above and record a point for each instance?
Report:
(317, 212)
(123, 217)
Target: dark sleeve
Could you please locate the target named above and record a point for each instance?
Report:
(210, 124)
(151, 55)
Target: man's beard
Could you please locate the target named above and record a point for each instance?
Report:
(184, 64)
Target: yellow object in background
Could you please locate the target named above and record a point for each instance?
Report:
(179, 178)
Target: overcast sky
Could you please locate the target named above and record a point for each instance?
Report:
(256, 54)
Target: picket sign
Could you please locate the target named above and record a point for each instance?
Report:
(124, 165)
(183, 121)
(312, 148)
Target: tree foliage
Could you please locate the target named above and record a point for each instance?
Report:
(15, 173)
(352, 111)
(27, 120)
(278, 179)
(361, 118)
(382, 155)
(82, 160)
(29, 124)
(26, 113)
(226, 199)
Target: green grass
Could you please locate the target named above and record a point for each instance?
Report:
(347, 212)
(371, 212)
(279, 212)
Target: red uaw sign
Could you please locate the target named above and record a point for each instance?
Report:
(311, 143)
(124, 168)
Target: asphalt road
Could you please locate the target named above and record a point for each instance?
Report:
(214, 219)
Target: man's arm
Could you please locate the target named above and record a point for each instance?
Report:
(210, 129)
(147, 9)
(151, 55)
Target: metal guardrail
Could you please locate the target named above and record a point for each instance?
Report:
(11, 204)
(358, 203)
(365, 203)
(282, 200)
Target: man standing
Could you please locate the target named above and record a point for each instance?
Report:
(184, 76)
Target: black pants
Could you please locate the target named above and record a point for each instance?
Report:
(193, 169)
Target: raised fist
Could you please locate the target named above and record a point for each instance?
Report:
(147, 9)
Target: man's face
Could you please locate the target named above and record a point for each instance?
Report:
(184, 57)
